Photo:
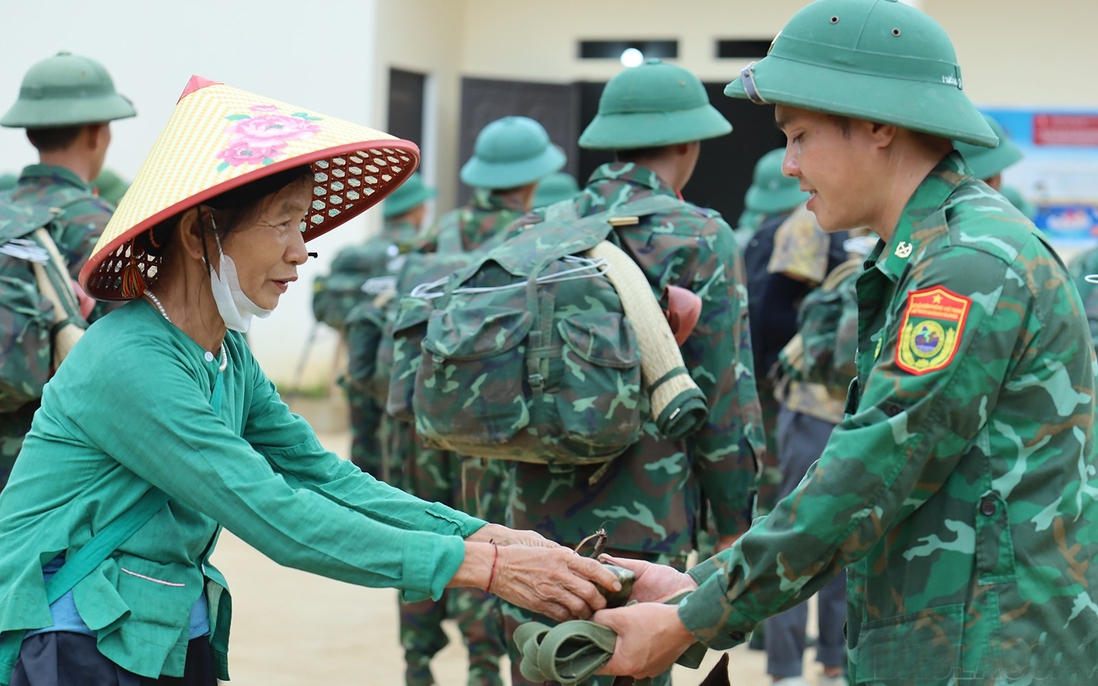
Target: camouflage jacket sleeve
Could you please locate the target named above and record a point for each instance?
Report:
(718, 354)
(1081, 266)
(881, 464)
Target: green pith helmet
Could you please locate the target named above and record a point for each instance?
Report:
(771, 191)
(510, 152)
(554, 188)
(8, 182)
(110, 186)
(749, 220)
(1015, 197)
(877, 60)
(410, 195)
(652, 105)
(987, 162)
(66, 90)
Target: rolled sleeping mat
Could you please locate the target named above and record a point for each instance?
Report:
(678, 405)
(66, 306)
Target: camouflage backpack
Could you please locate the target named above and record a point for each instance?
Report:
(525, 354)
(29, 262)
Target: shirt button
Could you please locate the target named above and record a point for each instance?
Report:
(987, 507)
(209, 356)
(737, 636)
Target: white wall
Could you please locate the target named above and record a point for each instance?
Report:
(282, 49)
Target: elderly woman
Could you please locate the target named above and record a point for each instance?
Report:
(160, 427)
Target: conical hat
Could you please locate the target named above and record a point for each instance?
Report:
(219, 138)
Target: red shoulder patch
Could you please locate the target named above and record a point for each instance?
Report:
(931, 330)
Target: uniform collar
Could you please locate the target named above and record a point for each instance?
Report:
(928, 198)
(487, 201)
(51, 172)
(635, 174)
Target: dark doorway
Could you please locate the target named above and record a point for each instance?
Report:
(485, 100)
(406, 105)
(726, 164)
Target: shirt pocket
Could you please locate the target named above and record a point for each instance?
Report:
(916, 648)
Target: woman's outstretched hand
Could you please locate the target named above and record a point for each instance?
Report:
(501, 535)
(555, 582)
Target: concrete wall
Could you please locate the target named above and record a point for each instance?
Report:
(322, 60)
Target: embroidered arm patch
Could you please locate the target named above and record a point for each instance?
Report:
(930, 334)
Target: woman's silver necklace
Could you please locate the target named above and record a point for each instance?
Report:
(156, 301)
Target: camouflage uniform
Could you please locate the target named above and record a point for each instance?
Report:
(649, 496)
(960, 489)
(78, 228)
(469, 484)
(333, 299)
(1084, 264)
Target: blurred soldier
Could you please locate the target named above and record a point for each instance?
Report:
(988, 164)
(959, 491)
(66, 103)
(335, 296)
(110, 186)
(554, 188)
(510, 156)
(653, 117)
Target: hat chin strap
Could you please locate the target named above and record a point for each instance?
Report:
(747, 76)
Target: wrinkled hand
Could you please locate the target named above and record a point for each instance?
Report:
(655, 583)
(501, 535)
(650, 638)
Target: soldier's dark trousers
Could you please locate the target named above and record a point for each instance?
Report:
(801, 440)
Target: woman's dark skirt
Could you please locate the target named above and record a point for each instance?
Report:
(63, 658)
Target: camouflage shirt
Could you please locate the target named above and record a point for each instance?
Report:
(485, 216)
(1084, 264)
(961, 491)
(76, 231)
(649, 495)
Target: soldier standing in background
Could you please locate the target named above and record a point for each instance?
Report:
(959, 492)
(336, 295)
(66, 103)
(554, 188)
(511, 155)
(653, 117)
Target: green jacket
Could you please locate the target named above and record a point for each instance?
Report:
(960, 490)
(78, 228)
(648, 497)
(485, 216)
(131, 407)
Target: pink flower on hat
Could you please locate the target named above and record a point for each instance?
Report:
(261, 139)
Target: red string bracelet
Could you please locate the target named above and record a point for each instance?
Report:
(492, 575)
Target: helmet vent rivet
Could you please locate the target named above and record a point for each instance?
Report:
(835, 19)
(896, 32)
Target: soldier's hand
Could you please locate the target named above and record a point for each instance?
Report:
(555, 582)
(650, 638)
(501, 535)
(655, 583)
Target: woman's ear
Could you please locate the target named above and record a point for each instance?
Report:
(191, 233)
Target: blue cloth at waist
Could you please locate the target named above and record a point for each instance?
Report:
(66, 618)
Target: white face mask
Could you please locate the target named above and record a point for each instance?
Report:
(235, 307)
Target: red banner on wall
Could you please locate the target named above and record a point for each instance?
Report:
(1065, 129)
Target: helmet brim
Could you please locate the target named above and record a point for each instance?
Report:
(937, 109)
(631, 130)
(56, 112)
(770, 202)
(498, 175)
(398, 206)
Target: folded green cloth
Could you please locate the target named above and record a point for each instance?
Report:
(684, 415)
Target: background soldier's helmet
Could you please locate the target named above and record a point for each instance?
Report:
(554, 188)
(987, 162)
(410, 195)
(653, 105)
(771, 191)
(877, 60)
(510, 152)
(66, 90)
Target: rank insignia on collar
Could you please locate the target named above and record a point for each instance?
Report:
(903, 249)
(931, 331)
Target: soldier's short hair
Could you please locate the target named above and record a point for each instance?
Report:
(55, 138)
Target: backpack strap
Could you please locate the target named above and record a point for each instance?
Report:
(83, 563)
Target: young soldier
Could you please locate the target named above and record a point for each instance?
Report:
(66, 103)
(510, 156)
(653, 117)
(960, 490)
(336, 295)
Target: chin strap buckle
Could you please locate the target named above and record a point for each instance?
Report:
(747, 76)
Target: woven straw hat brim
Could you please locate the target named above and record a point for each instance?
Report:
(220, 138)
